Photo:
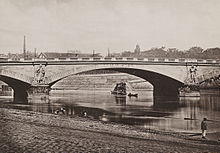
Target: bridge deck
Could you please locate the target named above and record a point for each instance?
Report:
(110, 60)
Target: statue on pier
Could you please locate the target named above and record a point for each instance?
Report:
(192, 72)
(191, 86)
(39, 75)
(192, 78)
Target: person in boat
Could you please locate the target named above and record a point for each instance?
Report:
(204, 127)
(134, 94)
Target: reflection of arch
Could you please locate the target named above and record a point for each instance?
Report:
(121, 100)
(163, 85)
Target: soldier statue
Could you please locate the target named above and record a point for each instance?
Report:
(192, 71)
(39, 75)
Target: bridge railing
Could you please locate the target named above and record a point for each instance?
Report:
(173, 60)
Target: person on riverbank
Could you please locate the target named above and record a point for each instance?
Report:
(204, 127)
(60, 111)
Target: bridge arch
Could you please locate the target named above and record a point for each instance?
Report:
(164, 85)
(18, 82)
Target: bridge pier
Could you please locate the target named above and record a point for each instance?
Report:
(39, 92)
(166, 92)
(20, 95)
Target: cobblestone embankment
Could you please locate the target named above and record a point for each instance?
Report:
(24, 131)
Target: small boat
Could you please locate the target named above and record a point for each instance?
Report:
(132, 94)
(120, 89)
(189, 92)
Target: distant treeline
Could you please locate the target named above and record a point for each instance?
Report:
(194, 52)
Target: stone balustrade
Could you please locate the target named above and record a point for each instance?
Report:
(157, 60)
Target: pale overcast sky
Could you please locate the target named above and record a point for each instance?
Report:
(86, 25)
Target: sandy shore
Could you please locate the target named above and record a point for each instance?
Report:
(26, 131)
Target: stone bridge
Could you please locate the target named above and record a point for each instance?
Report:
(166, 75)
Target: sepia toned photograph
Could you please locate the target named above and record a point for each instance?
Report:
(109, 76)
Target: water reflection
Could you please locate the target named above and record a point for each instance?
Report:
(120, 99)
(182, 114)
(166, 103)
(209, 103)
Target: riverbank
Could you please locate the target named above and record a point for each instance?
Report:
(27, 131)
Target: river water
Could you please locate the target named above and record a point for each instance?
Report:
(183, 115)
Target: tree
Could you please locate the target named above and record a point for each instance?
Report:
(194, 52)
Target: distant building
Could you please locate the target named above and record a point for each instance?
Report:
(45, 55)
(115, 55)
(74, 51)
(15, 57)
(137, 50)
(3, 57)
(42, 56)
(127, 54)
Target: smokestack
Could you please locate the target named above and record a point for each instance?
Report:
(24, 49)
(35, 52)
(108, 52)
(93, 53)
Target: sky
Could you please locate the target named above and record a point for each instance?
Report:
(87, 25)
